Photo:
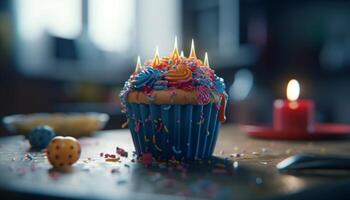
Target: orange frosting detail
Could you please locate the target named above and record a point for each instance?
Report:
(179, 73)
(165, 60)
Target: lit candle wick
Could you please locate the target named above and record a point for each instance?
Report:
(193, 51)
(206, 60)
(175, 54)
(156, 60)
(138, 64)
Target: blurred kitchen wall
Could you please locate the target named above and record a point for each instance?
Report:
(74, 55)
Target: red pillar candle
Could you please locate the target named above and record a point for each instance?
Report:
(293, 115)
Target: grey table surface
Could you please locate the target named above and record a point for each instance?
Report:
(243, 168)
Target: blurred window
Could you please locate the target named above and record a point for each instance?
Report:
(91, 39)
(111, 23)
(60, 18)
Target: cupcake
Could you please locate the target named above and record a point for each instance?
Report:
(174, 107)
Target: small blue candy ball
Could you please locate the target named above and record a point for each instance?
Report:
(41, 136)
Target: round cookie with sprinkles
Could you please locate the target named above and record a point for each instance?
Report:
(174, 106)
(63, 151)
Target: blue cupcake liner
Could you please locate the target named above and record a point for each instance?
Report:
(185, 132)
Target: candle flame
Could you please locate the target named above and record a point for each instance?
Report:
(175, 54)
(206, 60)
(293, 90)
(156, 60)
(138, 64)
(182, 54)
(193, 51)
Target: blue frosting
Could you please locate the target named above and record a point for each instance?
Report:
(146, 77)
(160, 85)
(219, 84)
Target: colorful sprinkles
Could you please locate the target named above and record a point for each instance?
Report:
(165, 175)
(189, 74)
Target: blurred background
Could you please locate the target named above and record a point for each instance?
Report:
(74, 55)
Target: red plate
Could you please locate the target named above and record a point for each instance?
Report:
(322, 131)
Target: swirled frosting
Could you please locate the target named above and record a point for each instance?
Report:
(146, 77)
(179, 74)
(174, 81)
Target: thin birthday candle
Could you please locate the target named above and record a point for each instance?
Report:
(193, 51)
(206, 60)
(138, 64)
(175, 54)
(156, 60)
